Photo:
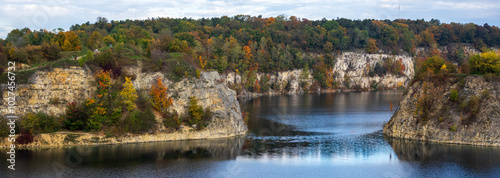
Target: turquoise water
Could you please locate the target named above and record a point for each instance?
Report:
(327, 135)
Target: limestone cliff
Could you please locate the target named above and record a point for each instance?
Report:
(50, 91)
(471, 116)
(358, 67)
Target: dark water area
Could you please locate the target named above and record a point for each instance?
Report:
(326, 135)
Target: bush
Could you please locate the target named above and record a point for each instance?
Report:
(454, 95)
(195, 111)
(488, 62)
(172, 120)
(434, 64)
(474, 105)
(198, 73)
(139, 122)
(453, 127)
(40, 123)
(25, 137)
(197, 115)
(76, 117)
(5, 128)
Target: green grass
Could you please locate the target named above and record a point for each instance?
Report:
(22, 77)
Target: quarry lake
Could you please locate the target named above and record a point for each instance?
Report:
(322, 135)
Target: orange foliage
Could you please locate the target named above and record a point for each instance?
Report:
(158, 92)
(256, 86)
(248, 52)
(270, 21)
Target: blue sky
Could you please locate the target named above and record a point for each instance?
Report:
(52, 14)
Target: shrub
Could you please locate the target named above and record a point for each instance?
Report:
(5, 128)
(453, 127)
(84, 59)
(195, 111)
(425, 102)
(454, 95)
(172, 120)
(488, 62)
(197, 115)
(139, 122)
(76, 116)
(40, 123)
(474, 105)
(264, 85)
(25, 137)
(94, 123)
(198, 73)
(347, 81)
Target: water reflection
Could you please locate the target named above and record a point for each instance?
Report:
(479, 158)
(69, 160)
(324, 135)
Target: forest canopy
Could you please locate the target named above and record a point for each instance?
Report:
(242, 42)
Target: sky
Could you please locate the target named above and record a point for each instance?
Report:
(52, 14)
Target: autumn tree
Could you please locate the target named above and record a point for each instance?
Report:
(488, 62)
(68, 41)
(371, 46)
(95, 40)
(159, 96)
(128, 94)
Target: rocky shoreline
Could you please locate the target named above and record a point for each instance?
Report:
(472, 118)
(69, 139)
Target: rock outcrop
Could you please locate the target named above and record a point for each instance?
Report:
(75, 84)
(358, 67)
(472, 116)
(49, 91)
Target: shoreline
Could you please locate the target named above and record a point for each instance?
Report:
(255, 95)
(65, 139)
(434, 141)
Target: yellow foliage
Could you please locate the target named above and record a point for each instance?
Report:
(203, 63)
(128, 94)
(443, 67)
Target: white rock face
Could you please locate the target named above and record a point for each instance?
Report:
(50, 91)
(357, 66)
(77, 84)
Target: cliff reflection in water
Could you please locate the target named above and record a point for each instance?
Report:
(123, 155)
(468, 156)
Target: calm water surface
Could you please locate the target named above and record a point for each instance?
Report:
(327, 135)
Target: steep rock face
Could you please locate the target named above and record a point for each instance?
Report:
(210, 92)
(75, 84)
(214, 94)
(49, 91)
(282, 78)
(450, 121)
(355, 65)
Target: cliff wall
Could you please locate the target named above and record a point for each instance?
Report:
(430, 112)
